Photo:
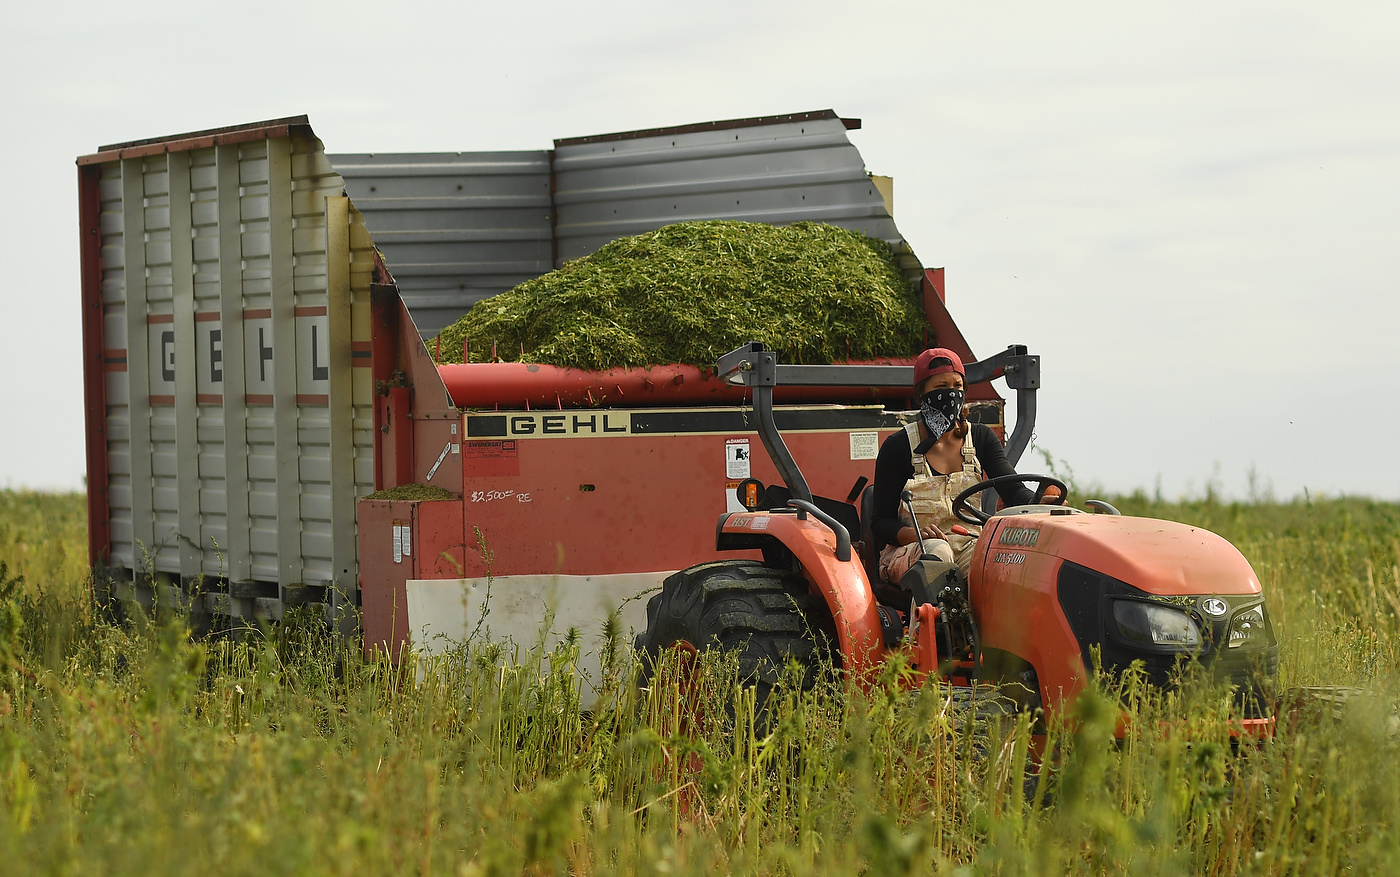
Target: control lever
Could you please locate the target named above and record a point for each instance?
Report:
(908, 498)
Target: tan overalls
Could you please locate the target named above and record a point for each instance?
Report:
(933, 503)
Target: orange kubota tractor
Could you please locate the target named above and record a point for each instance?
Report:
(1049, 585)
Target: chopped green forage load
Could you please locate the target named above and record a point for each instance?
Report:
(413, 492)
(693, 291)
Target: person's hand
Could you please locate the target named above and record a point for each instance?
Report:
(931, 531)
(1052, 495)
(928, 531)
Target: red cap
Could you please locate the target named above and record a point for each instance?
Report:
(925, 369)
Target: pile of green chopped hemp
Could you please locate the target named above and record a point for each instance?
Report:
(413, 492)
(693, 291)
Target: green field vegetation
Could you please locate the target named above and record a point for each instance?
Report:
(126, 747)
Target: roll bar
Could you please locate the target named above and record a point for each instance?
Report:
(757, 368)
(1022, 373)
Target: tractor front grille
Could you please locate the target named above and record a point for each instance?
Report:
(1086, 597)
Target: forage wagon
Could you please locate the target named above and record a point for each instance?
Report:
(267, 429)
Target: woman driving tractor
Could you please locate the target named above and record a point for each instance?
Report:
(935, 458)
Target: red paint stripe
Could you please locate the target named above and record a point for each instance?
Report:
(257, 314)
(162, 400)
(310, 311)
(95, 365)
(209, 398)
(152, 319)
(362, 346)
(258, 398)
(112, 354)
(312, 399)
(207, 316)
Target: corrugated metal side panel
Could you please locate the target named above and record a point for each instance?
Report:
(262, 494)
(256, 250)
(326, 300)
(350, 253)
(232, 390)
(239, 425)
(211, 466)
(458, 227)
(114, 334)
(309, 187)
(454, 227)
(361, 246)
(779, 173)
(164, 548)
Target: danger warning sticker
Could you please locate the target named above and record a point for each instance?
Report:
(736, 459)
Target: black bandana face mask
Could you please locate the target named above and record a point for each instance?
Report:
(940, 410)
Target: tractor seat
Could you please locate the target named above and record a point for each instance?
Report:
(869, 557)
(885, 593)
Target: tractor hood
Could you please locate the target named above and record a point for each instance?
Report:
(1160, 557)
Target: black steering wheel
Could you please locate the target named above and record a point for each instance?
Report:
(976, 517)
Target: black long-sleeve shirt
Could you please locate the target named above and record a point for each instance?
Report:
(894, 467)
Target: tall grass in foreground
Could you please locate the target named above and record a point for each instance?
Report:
(126, 747)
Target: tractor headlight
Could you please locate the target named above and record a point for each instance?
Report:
(1248, 628)
(1151, 625)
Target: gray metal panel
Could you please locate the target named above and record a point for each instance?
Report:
(342, 415)
(778, 173)
(235, 408)
(325, 274)
(284, 341)
(114, 334)
(362, 378)
(224, 461)
(138, 365)
(186, 412)
(256, 283)
(454, 227)
(210, 535)
(458, 227)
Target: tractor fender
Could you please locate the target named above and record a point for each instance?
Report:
(842, 584)
(1013, 589)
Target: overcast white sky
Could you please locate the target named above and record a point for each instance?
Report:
(1191, 210)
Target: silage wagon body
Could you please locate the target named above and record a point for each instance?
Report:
(253, 310)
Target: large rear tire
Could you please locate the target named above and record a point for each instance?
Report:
(766, 615)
